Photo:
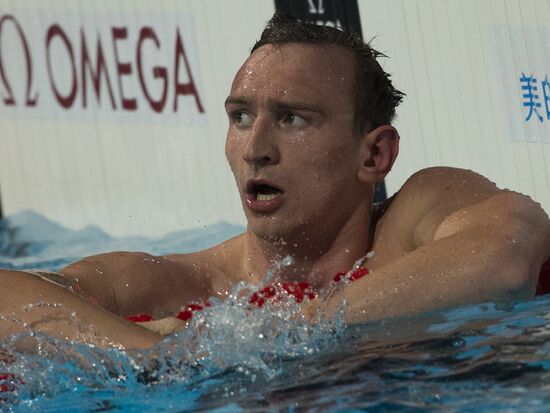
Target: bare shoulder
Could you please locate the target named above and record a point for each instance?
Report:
(433, 196)
(119, 267)
(127, 283)
(436, 184)
(111, 261)
(427, 197)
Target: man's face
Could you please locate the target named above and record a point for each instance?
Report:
(290, 142)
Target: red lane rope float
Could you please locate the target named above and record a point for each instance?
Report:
(187, 313)
(298, 290)
(271, 292)
(6, 358)
(10, 378)
(355, 275)
(139, 318)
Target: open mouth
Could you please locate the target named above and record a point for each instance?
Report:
(263, 197)
(261, 190)
(264, 192)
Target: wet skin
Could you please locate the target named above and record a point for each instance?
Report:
(290, 138)
(291, 117)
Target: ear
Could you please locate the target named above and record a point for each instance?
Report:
(379, 149)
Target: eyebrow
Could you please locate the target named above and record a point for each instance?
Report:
(277, 104)
(235, 100)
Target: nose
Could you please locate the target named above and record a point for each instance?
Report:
(261, 147)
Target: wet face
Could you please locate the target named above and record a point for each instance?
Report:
(290, 141)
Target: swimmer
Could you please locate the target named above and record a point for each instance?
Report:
(309, 136)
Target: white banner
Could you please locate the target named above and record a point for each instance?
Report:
(103, 66)
(524, 64)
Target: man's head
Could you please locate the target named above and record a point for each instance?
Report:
(375, 98)
(301, 167)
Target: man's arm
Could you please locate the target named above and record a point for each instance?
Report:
(88, 300)
(470, 242)
(127, 283)
(32, 304)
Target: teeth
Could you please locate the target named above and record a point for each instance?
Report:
(265, 197)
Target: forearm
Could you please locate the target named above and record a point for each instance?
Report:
(29, 302)
(461, 269)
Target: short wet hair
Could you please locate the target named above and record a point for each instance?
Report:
(374, 95)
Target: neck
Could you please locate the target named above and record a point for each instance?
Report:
(316, 257)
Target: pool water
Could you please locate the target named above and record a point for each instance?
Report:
(482, 358)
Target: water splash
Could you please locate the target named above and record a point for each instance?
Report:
(479, 358)
(234, 334)
(276, 268)
(230, 335)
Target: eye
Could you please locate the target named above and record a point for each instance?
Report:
(241, 118)
(294, 120)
